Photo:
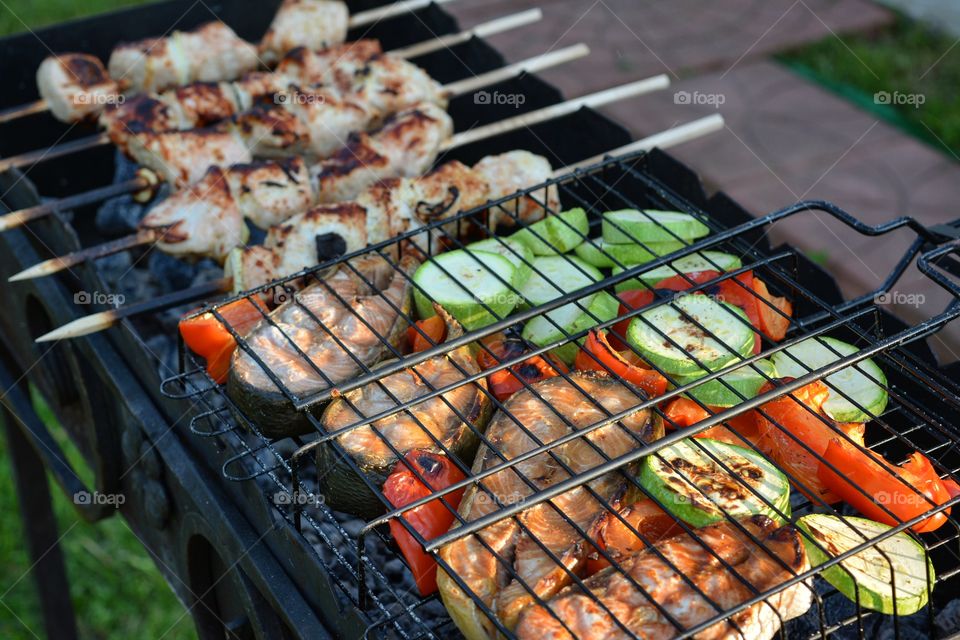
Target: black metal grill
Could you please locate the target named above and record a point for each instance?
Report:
(920, 416)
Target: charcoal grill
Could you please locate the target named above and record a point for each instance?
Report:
(203, 483)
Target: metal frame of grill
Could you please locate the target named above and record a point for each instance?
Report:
(914, 419)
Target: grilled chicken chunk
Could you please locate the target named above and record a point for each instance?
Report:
(360, 320)
(75, 85)
(405, 146)
(212, 52)
(451, 419)
(337, 64)
(383, 211)
(188, 227)
(183, 157)
(314, 24)
(539, 415)
(725, 565)
(514, 171)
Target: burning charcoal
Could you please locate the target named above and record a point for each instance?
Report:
(947, 621)
(175, 274)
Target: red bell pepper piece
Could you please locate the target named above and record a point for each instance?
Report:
(206, 336)
(740, 430)
(435, 329)
(772, 324)
(429, 520)
(629, 301)
(905, 491)
(506, 382)
(614, 536)
(805, 420)
(598, 355)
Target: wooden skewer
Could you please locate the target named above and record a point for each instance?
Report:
(106, 319)
(532, 118)
(532, 65)
(669, 138)
(499, 25)
(55, 265)
(358, 20)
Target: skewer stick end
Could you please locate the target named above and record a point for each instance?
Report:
(41, 269)
(82, 326)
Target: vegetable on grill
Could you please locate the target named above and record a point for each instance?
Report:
(863, 384)
(702, 481)
(893, 575)
(554, 276)
(741, 430)
(598, 355)
(557, 233)
(505, 382)
(691, 335)
(568, 320)
(744, 383)
(604, 254)
(794, 433)
(649, 225)
(430, 519)
(704, 261)
(882, 491)
(207, 336)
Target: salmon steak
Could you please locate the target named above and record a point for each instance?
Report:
(687, 581)
(543, 545)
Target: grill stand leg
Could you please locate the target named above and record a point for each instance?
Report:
(40, 529)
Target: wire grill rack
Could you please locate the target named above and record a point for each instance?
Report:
(920, 415)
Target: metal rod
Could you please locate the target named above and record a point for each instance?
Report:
(23, 110)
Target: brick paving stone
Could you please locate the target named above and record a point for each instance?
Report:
(631, 39)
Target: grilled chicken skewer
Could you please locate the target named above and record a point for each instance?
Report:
(348, 68)
(184, 156)
(367, 160)
(74, 86)
(105, 319)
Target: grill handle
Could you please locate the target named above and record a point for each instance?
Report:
(17, 403)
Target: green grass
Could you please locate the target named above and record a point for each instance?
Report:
(908, 58)
(19, 15)
(116, 589)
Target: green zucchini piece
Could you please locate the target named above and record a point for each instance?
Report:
(556, 275)
(513, 250)
(557, 233)
(689, 480)
(701, 261)
(604, 254)
(571, 318)
(723, 321)
(746, 380)
(462, 283)
(868, 575)
(649, 225)
(867, 386)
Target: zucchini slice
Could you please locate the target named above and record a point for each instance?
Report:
(694, 481)
(867, 386)
(571, 318)
(723, 321)
(650, 225)
(556, 275)
(463, 282)
(746, 380)
(513, 250)
(600, 253)
(557, 233)
(702, 261)
(897, 583)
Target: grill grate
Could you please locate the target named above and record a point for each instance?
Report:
(922, 409)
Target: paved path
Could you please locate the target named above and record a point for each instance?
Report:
(787, 139)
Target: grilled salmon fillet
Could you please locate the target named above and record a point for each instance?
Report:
(725, 565)
(541, 414)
